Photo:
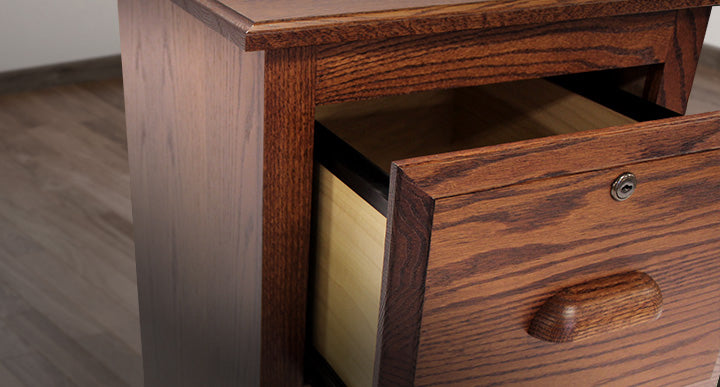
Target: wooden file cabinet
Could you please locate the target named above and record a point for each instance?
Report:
(221, 98)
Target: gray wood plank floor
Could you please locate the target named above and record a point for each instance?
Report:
(68, 304)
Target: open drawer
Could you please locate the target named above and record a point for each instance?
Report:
(454, 277)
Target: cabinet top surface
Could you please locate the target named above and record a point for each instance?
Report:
(264, 11)
(269, 24)
(276, 10)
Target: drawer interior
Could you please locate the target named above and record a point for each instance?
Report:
(420, 124)
(351, 194)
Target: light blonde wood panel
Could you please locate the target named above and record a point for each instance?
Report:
(194, 106)
(419, 124)
(349, 245)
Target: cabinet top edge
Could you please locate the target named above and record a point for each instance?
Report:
(273, 24)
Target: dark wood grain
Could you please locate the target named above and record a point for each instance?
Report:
(496, 166)
(497, 255)
(354, 169)
(500, 246)
(262, 25)
(670, 85)
(219, 18)
(403, 284)
(287, 197)
(195, 121)
(82, 116)
(598, 306)
(395, 66)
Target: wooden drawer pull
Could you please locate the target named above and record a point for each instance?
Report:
(598, 306)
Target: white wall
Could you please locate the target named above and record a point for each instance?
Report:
(712, 36)
(40, 32)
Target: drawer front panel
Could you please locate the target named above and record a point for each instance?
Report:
(496, 256)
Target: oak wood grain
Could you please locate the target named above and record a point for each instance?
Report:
(287, 198)
(496, 255)
(670, 85)
(42, 142)
(410, 214)
(219, 18)
(195, 118)
(385, 128)
(547, 216)
(394, 66)
(496, 166)
(284, 23)
(596, 307)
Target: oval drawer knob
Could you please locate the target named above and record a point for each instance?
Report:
(598, 306)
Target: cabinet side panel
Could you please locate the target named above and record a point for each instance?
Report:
(194, 116)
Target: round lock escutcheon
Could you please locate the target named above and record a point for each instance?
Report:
(624, 186)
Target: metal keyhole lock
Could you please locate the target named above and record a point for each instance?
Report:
(624, 186)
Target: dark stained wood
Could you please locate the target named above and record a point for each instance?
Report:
(497, 255)
(524, 231)
(410, 214)
(268, 24)
(603, 89)
(318, 373)
(195, 119)
(221, 153)
(400, 127)
(27, 139)
(96, 69)
(599, 306)
(395, 66)
(218, 17)
(670, 85)
(355, 170)
(496, 166)
(287, 197)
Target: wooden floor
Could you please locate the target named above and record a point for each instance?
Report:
(705, 96)
(68, 304)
